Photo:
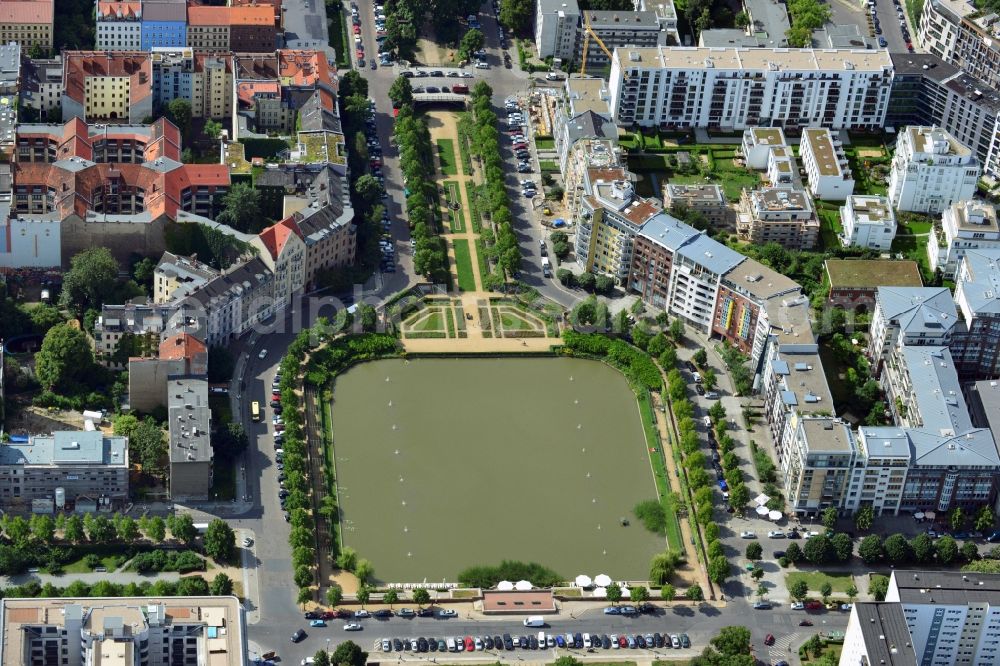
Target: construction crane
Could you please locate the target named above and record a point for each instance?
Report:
(588, 32)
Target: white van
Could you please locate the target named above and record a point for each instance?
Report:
(451, 645)
(697, 377)
(586, 641)
(541, 640)
(534, 621)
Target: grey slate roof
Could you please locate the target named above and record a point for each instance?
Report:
(551, 6)
(982, 290)
(885, 441)
(971, 448)
(711, 254)
(250, 276)
(668, 231)
(589, 125)
(190, 420)
(935, 386)
(918, 309)
(164, 10)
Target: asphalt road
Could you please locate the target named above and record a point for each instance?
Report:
(890, 24)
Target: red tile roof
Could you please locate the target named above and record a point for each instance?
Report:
(115, 9)
(26, 11)
(303, 68)
(221, 16)
(182, 345)
(79, 65)
(247, 90)
(276, 236)
(75, 139)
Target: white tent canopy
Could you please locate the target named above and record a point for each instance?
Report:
(774, 515)
(625, 591)
(930, 515)
(761, 499)
(600, 592)
(505, 585)
(761, 510)
(522, 585)
(583, 581)
(602, 579)
(919, 515)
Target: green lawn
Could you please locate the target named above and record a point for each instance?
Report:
(112, 557)
(674, 539)
(815, 579)
(829, 224)
(223, 478)
(484, 268)
(548, 166)
(463, 264)
(446, 153)
(545, 143)
(912, 227)
(432, 320)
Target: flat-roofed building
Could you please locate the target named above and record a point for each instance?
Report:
(965, 226)
(827, 172)
(82, 463)
(931, 171)
(709, 200)
(757, 145)
(783, 215)
(878, 477)
(617, 28)
(877, 634)
(190, 446)
(737, 88)
(182, 631)
(741, 313)
(556, 26)
(853, 282)
(951, 615)
(817, 463)
(868, 221)
(782, 169)
(611, 215)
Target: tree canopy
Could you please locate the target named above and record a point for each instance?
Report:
(241, 209)
(65, 359)
(91, 278)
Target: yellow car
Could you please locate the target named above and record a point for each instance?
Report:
(547, 211)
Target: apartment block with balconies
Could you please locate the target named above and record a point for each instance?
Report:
(783, 215)
(931, 171)
(827, 172)
(966, 225)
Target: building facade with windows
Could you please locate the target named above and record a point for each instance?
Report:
(27, 22)
(931, 171)
(965, 226)
(868, 221)
(782, 214)
(737, 88)
(119, 26)
(827, 171)
(82, 463)
(556, 25)
(910, 316)
(976, 348)
(709, 200)
(164, 23)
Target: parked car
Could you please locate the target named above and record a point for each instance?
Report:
(317, 623)
(748, 535)
(353, 626)
(298, 635)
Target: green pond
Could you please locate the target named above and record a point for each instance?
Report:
(447, 463)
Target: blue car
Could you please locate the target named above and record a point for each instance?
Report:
(560, 641)
(723, 486)
(612, 610)
(317, 623)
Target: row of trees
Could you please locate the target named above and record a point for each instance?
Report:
(921, 549)
(46, 530)
(189, 586)
(430, 256)
(598, 284)
(494, 200)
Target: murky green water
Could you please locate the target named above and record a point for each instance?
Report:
(453, 462)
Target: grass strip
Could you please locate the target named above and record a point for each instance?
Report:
(673, 527)
(446, 156)
(463, 264)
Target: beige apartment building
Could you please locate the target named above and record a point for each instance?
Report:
(783, 215)
(27, 22)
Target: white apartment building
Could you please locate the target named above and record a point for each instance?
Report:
(931, 170)
(868, 221)
(877, 634)
(119, 26)
(610, 216)
(827, 171)
(757, 145)
(181, 631)
(910, 316)
(965, 225)
(556, 25)
(697, 270)
(737, 88)
(782, 169)
(817, 463)
(879, 472)
(952, 617)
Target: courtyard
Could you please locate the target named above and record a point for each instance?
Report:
(462, 462)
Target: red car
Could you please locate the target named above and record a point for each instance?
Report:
(622, 641)
(519, 146)
(357, 30)
(327, 615)
(470, 645)
(360, 53)
(769, 639)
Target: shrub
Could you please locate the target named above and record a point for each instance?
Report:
(652, 516)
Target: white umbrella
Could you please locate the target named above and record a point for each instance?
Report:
(774, 515)
(522, 585)
(600, 592)
(625, 591)
(930, 515)
(602, 579)
(761, 510)
(761, 499)
(583, 581)
(505, 585)
(919, 515)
